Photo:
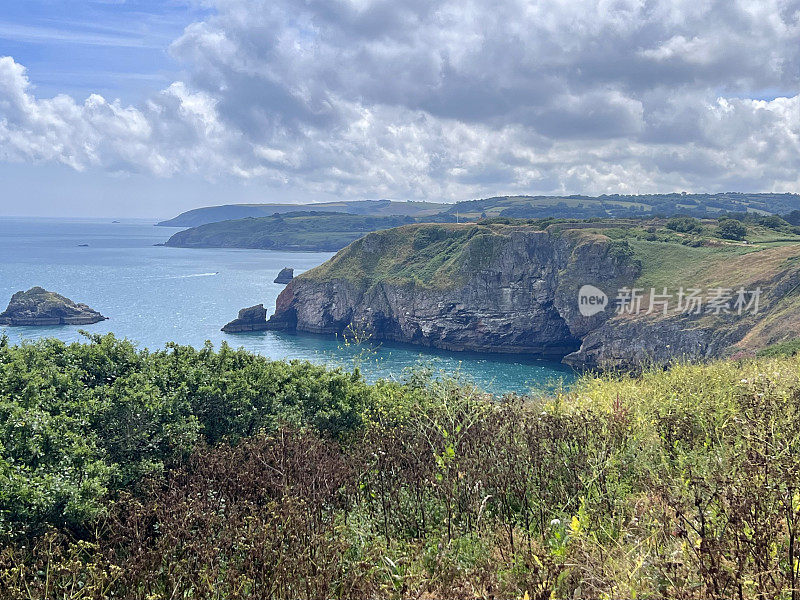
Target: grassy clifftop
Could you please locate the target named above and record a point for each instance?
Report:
(303, 231)
(440, 254)
(427, 254)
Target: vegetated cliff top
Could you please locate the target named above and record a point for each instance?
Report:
(213, 214)
(528, 207)
(304, 230)
(440, 255)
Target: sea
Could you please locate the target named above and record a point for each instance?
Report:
(154, 295)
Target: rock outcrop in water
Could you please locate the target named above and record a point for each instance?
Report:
(514, 289)
(249, 319)
(37, 306)
(285, 276)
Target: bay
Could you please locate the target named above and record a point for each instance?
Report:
(154, 295)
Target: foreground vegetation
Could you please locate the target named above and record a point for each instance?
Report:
(201, 474)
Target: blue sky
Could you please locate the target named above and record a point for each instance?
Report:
(146, 108)
(117, 49)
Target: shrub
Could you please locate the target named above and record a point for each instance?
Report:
(684, 224)
(731, 229)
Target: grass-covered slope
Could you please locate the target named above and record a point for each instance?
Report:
(303, 231)
(200, 474)
(528, 207)
(375, 208)
(615, 205)
(432, 253)
(428, 254)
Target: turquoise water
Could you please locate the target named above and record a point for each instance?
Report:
(153, 295)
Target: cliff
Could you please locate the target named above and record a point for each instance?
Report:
(513, 288)
(301, 231)
(37, 306)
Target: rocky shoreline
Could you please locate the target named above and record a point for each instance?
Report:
(515, 290)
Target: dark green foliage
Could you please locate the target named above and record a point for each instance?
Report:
(684, 224)
(620, 250)
(788, 348)
(773, 222)
(79, 420)
(793, 218)
(731, 229)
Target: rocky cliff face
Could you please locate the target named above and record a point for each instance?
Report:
(249, 319)
(514, 289)
(37, 306)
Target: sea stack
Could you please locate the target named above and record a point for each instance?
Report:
(249, 319)
(37, 306)
(285, 276)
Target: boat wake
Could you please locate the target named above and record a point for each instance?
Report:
(197, 275)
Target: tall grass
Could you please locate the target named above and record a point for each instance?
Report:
(675, 484)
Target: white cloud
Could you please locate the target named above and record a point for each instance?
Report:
(451, 99)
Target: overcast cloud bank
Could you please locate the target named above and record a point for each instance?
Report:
(451, 99)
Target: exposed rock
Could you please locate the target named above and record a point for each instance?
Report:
(249, 319)
(285, 276)
(514, 289)
(37, 306)
(521, 301)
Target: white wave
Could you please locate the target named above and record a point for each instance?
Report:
(197, 275)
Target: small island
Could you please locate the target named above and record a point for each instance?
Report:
(38, 306)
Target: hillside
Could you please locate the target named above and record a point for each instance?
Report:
(525, 207)
(301, 231)
(213, 214)
(615, 205)
(512, 286)
(195, 473)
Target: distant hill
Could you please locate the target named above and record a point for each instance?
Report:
(519, 207)
(303, 230)
(214, 214)
(585, 207)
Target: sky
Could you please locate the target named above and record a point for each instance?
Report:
(145, 108)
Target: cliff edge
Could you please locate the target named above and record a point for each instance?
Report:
(519, 288)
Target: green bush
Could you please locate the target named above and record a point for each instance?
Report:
(292, 481)
(788, 348)
(685, 224)
(731, 229)
(80, 420)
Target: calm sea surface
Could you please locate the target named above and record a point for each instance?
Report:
(153, 295)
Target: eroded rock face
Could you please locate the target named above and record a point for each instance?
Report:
(514, 289)
(253, 318)
(523, 301)
(285, 276)
(37, 306)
